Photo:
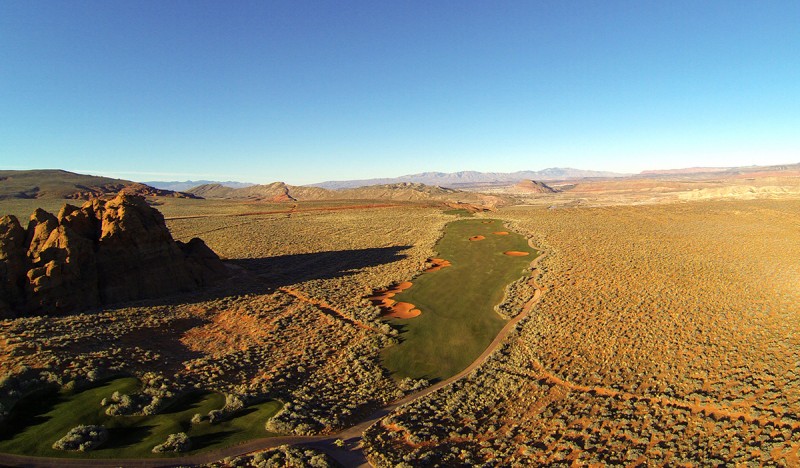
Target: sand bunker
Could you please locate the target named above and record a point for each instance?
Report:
(500, 233)
(476, 238)
(437, 264)
(403, 310)
(516, 253)
(391, 308)
(486, 222)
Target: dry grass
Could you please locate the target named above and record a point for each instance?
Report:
(292, 324)
(666, 334)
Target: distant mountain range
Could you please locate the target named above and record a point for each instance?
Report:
(712, 171)
(465, 179)
(183, 186)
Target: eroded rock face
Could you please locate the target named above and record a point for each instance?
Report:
(13, 264)
(100, 253)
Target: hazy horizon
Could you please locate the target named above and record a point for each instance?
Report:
(147, 176)
(306, 92)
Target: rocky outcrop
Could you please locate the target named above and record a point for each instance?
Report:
(100, 253)
(131, 188)
(13, 265)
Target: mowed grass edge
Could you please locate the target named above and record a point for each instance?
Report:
(41, 419)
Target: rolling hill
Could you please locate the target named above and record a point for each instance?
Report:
(55, 184)
(404, 191)
(182, 186)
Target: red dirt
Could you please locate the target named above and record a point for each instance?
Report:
(437, 264)
(477, 238)
(228, 330)
(500, 233)
(515, 253)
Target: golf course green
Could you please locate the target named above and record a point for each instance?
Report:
(458, 321)
(39, 420)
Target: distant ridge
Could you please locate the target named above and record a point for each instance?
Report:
(466, 179)
(533, 186)
(403, 191)
(59, 184)
(183, 186)
(700, 171)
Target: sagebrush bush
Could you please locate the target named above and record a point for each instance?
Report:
(82, 438)
(179, 442)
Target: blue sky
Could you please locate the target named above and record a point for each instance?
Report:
(309, 91)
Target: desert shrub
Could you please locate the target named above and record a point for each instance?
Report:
(82, 438)
(280, 457)
(215, 416)
(118, 404)
(179, 442)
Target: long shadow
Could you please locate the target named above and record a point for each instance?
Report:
(206, 440)
(124, 437)
(265, 275)
(185, 402)
(285, 270)
(31, 410)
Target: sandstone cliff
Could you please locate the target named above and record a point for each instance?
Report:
(100, 253)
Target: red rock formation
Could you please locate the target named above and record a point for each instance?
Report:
(100, 253)
(142, 190)
(13, 264)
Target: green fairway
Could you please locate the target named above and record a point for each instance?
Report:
(39, 420)
(460, 212)
(458, 320)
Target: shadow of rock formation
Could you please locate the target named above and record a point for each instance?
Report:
(284, 270)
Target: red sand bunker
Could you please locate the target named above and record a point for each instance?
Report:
(402, 310)
(515, 253)
(500, 233)
(390, 307)
(437, 264)
(476, 238)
